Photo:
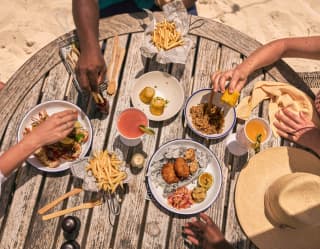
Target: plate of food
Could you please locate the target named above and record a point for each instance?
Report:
(58, 156)
(213, 124)
(158, 94)
(184, 177)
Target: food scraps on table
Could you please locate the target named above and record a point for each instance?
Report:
(207, 121)
(165, 36)
(67, 149)
(106, 167)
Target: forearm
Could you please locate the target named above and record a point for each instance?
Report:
(303, 47)
(189, 3)
(13, 157)
(86, 18)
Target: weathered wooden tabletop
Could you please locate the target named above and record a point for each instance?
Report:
(140, 223)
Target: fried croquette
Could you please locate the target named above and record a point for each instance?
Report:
(168, 173)
(193, 166)
(190, 154)
(181, 168)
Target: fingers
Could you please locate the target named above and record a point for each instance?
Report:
(66, 116)
(83, 79)
(93, 76)
(189, 231)
(288, 120)
(198, 225)
(215, 80)
(206, 219)
(193, 240)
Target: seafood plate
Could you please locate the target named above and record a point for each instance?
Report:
(173, 175)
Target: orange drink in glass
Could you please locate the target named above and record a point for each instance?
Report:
(255, 133)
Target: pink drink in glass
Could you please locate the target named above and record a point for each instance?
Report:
(129, 121)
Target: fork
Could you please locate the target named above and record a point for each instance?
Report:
(72, 209)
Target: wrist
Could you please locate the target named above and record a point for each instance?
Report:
(30, 143)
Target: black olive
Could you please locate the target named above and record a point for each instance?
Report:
(70, 224)
(70, 244)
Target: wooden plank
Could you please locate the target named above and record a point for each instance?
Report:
(25, 198)
(205, 64)
(100, 231)
(233, 231)
(9, 139)
(228, 59)
(157, 222)
(54, 88)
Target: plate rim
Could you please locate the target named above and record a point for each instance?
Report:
(180, 211)
(177, 83)
(68, 164)
(196, 131)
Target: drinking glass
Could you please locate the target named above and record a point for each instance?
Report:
(245, 138)
(128, 123)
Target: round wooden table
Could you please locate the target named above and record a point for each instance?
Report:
(141, 224)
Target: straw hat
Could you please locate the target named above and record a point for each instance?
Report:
(277, 199)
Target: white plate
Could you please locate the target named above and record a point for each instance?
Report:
(52, 107)
(202, 96)
(213, 167)
(166, 86)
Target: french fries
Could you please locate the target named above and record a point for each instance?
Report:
(165, 36)
(105, 167)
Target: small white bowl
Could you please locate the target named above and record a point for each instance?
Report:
(202, 96)
(165, 86)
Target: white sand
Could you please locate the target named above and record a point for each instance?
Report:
(28, 25)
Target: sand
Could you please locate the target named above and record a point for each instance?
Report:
(28, 25)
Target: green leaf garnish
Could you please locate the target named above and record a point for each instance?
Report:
(79, 137)
(146, 130)
(257, 144)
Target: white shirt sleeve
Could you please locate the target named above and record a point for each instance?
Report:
(2, 179)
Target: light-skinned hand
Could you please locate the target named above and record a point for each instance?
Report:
(297, 128)
(237, 77)
(204, 233)
(55, 128)
(91, 69)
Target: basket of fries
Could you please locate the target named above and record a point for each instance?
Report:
(167, 39)
(104, 171)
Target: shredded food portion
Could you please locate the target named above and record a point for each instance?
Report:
(181, 198)
(208, 122)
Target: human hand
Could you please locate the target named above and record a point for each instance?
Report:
(237, 76)
(297, 128)
(52, 130)
(91, 69)
(317, 102)
(204, 233)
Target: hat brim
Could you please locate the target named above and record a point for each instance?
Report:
(261, 171)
